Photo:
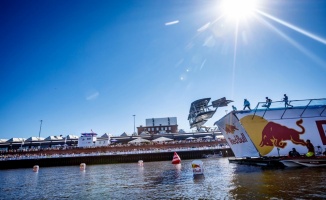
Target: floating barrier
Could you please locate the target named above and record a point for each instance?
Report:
(36, 168)
(176, 159)
(94, 159)
(82, 166)
(197, 167)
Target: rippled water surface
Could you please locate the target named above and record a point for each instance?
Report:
(162, 180)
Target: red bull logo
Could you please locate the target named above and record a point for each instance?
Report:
(195, 166)
(238, 139)
(230, 128)
(276, 135)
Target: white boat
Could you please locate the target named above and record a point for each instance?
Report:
(274, 131)
(219, 155)
(305, 162)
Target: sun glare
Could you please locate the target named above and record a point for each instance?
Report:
(238, 9)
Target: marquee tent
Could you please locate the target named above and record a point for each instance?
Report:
(34, 139)
(162, 139)
(139, 140)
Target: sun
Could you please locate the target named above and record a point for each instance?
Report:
(238, 9)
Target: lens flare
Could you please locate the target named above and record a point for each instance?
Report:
(238, 9)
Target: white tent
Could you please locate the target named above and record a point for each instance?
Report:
(145, 133)
(71, 137)
(16, 140)
(162, 139)
(105, 135)
(54, 138)
(139, 140)
(34, 139)
(3, 140)
(124, 134)
(208, 137)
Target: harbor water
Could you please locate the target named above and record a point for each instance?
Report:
(162, 180)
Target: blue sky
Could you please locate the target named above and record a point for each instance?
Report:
(80, 64)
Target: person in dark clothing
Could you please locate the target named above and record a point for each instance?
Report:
(268, 103)
(311, 149)
(286, 101)
(246, 104)
(294, 153)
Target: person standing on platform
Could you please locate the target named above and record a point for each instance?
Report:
(268, 103)
(246, 104)
(311, 149)
(286, 101)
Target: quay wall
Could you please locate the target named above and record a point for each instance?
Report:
(109, 159)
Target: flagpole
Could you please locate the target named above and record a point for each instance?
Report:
(134, 125)
(39, 133)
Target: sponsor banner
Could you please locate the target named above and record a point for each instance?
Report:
(276, 136)
(237, 137)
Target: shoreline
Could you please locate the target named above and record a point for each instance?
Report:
(112, 158)
(112, 154)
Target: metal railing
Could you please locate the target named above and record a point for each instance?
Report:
(318, 104)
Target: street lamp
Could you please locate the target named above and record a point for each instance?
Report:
(134, 124)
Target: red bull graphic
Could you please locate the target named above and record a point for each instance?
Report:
(236, 136)
(276, 135)
(238, 139)
(230, 128)
(322, 130)
(266, 135)
(274, 132)
(195, 165)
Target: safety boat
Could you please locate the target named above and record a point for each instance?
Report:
(305, 162)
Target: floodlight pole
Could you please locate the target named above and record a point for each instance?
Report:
(39, 133)
(134, 124)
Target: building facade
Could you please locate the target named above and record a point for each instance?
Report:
(159, 126)
(91, 140)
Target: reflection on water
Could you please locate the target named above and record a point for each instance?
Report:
(162, 180)
(302, 183)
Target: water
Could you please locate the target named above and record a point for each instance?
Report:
(162, 180)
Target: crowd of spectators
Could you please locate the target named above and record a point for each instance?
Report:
(115, 148)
